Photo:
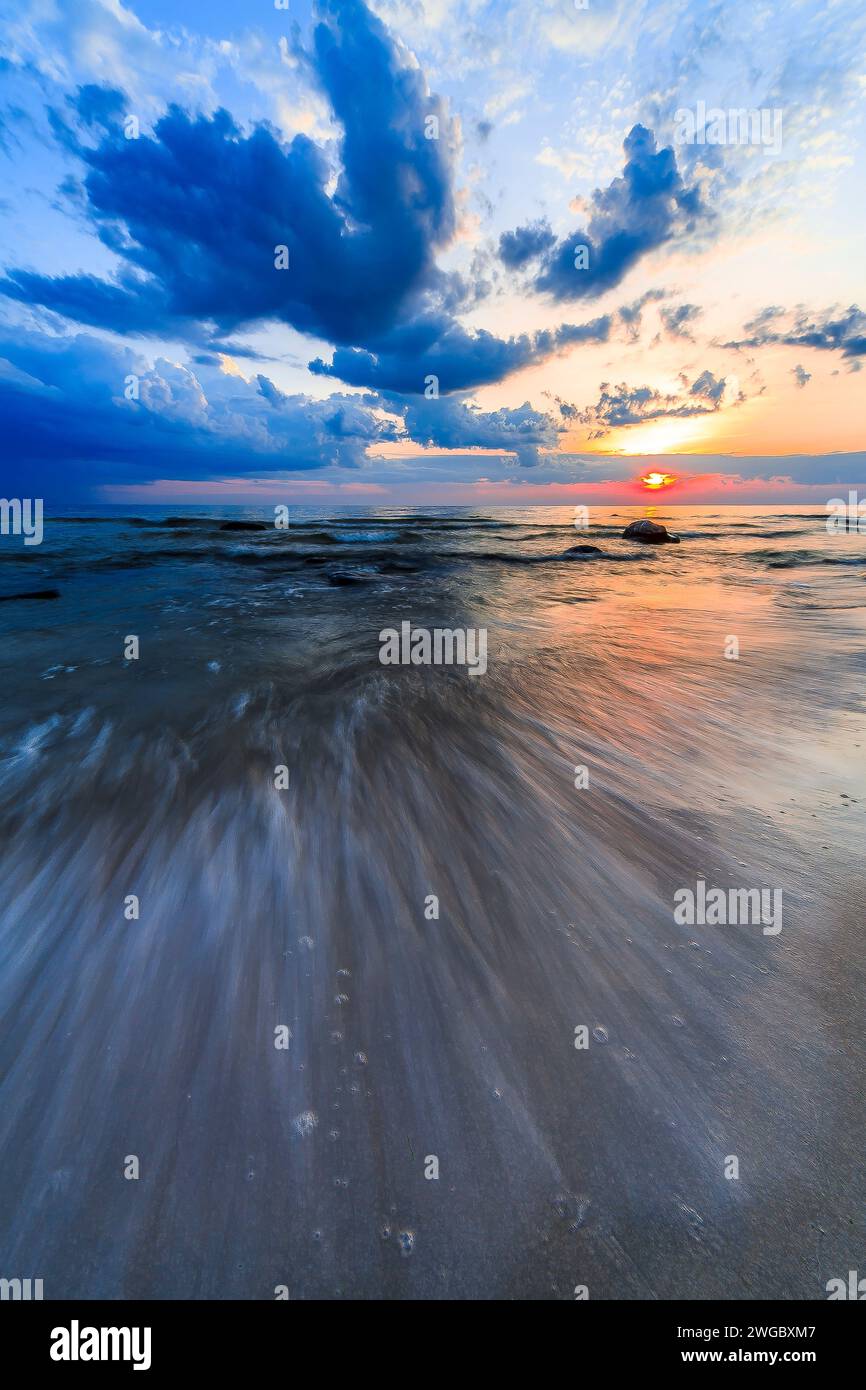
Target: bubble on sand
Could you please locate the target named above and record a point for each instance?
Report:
(361, 1058)
(600, 1034)
(306, 1122)
(406, 1242)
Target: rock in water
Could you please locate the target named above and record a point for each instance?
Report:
(649, 531)
(581, 550)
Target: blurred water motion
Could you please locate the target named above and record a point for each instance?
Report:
(412, 1037)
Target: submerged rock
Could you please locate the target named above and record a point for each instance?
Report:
(649, 531)
(576, 550)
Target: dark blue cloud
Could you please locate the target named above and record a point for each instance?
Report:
(454, 423)
(834, 330)
(196, 210)
(519, 247)
(87, 299)
(648, 205)
(436, 345)
(622, 405)
(68, 425)
(99, 106)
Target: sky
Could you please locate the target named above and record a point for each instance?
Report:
(461, 251)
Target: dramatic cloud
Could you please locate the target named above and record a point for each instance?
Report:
(78, 401)
(833, 331)
(74, 403)
(437, 346)
(453, 424)
(419, 237)
(646, 207)
(196, 211)
(622, 405)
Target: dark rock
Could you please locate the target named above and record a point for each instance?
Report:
(649, 531)
(35, 593)
(576, 550)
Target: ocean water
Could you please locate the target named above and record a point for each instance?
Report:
(414, 1037)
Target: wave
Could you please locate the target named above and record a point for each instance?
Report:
(289, 556)
(794, 559)
(773, 535)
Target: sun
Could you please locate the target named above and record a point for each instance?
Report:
(657, 480)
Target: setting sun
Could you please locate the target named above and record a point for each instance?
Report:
(657, 480)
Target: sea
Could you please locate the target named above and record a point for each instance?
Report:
(324, 977)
